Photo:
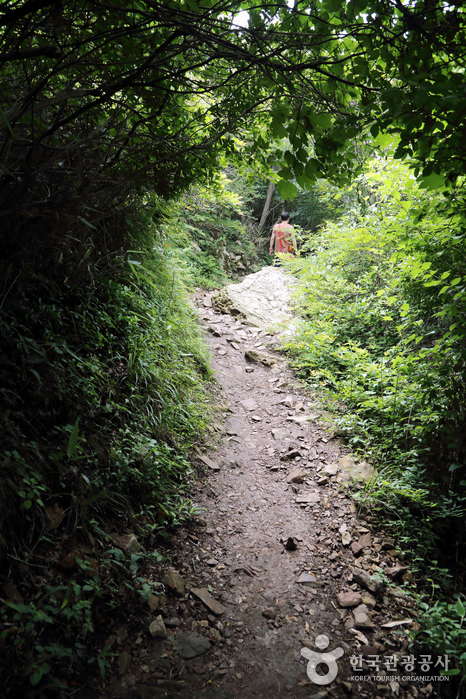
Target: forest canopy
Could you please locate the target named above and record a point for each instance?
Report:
(101, 97)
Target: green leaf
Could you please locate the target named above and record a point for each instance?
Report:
(86, 222)
(35, 373)
(432, 181)
(312, 167)
(101, 667)
(35, 678)
(285, 173)
(73, 440)
(287, 190)
(384, 140)
(278, 130)
(331, 5)
(322, 121)
(289, 158)
(19, 607)
(460, 607)
(305, 182)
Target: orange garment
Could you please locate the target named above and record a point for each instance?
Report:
(283, 235)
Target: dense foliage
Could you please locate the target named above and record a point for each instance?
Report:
(102, 395)
(384, 289)
(213, 230)
(383, 297)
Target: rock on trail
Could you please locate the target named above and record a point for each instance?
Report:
(263, 298)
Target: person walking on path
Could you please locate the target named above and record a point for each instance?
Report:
(283, 238)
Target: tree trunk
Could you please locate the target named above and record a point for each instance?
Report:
(266, 209)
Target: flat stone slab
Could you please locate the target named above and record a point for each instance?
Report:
(127, 543)
(296, 476)
(157, 628)
(365, 580)
(348, 599)
(308, 498)
(260, 357)
(292, 454)
(365, 540)
(362, 620)
(213, 465)
(329, 470)
(302, 419)
(309, 580)
(189, 645)
(174, 581)
(249, 404)
(349, 469)
(204, 595)
(280, 434)
(346, 538)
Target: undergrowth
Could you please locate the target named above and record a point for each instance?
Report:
(213, 243)
(382, 298)
(102, 389)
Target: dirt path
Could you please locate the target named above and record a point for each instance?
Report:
(269, 566)
(251, 513)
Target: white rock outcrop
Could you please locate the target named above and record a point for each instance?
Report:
(262, 298)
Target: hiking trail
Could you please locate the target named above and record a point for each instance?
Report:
(279, 558)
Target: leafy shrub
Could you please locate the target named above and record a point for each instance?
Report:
(443, 628)
(383, 302)
(376, 327)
